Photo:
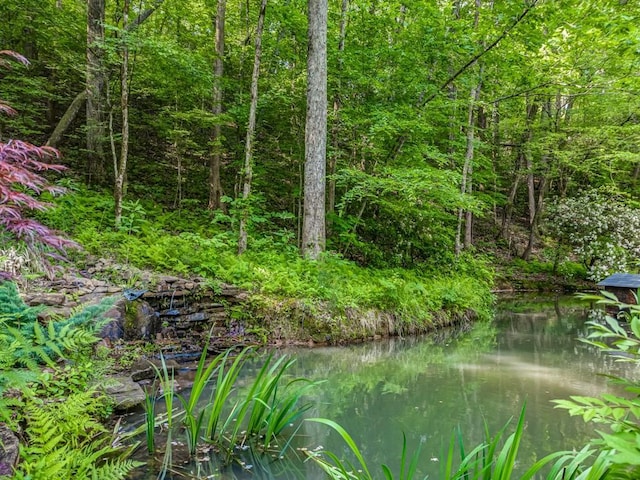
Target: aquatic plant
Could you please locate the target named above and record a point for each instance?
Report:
(256, 415)
(493, 459)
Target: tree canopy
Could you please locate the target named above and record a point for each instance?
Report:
(548, 89)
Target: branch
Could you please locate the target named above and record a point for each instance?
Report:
(479, 55)
(144, 15)
(67, 118)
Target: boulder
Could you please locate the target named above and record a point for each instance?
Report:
(9, 451)
(125, 393)
(141, 321)
(143, 368)
(114, 330)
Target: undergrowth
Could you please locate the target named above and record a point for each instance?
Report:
(205, 243)
(48, 394)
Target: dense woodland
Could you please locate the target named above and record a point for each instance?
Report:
(449, 122)
(340, 158)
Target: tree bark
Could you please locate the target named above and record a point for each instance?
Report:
(96, 81)
(533, 229)
(121, 166)
(215, 185)
(337, 104)
(313, 223)
(76, 104)
(251, 128)
(66, 120)
(467, 171)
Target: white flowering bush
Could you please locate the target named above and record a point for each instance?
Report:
(602, 230)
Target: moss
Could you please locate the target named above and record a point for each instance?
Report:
(297, 321)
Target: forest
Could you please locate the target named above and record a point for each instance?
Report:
(355, 155)
(452, 127)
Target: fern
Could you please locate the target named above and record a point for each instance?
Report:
(32, 343)
(67, 442)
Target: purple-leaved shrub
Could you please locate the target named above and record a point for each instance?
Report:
(22, 166)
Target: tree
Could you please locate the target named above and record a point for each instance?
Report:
(251, 128)
(120, 163)
(96, 82)
(215, 186)
(313, 223)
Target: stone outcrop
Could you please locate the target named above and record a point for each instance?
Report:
(149, 306)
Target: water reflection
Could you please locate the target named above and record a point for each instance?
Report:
(426, 387)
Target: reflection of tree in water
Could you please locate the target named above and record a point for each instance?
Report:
(427, 387)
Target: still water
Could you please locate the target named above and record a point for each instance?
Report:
(428, 387)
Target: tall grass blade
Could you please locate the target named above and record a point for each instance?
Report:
(350, 443)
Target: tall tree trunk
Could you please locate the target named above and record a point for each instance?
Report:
(215, 185)
(467, 169)
(251, 129)
(121, 166)
(76, 104)
(337, 104)
(95, 77)
(313, 223)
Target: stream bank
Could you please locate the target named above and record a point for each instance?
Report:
(182, 314)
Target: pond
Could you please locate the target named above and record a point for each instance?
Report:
(460, 378)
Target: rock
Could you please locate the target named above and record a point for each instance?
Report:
(168, 279)
(140, 321)
(196, 317)
(48, 299)
(142, 369)
(9, 451)
(114, 330)
(125, 393)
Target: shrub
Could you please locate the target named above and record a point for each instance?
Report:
(21, 168)
(601, 230)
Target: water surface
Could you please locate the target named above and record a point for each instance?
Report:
(461, 378)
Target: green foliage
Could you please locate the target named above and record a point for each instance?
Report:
(620, 414)
(195, 242)
(26, 344)
(66, 441)
(32, 343)
(58, 409)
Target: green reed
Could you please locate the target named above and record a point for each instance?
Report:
(493, 459)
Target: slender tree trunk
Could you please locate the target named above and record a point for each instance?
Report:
(215, 185)
(95, 77)
(533, 230)
(507, 212)
(313, 227)
(467, 168)
(120, 173)
(337, 104)
(251, 128)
